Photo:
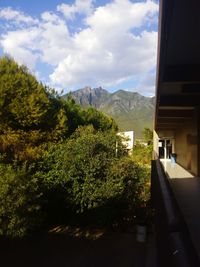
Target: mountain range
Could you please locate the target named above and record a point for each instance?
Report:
(131, 111)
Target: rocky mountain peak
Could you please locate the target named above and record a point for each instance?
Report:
(131, 110)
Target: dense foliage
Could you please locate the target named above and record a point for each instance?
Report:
(91, 176)
(21, 201)
(33, 115)
(148, 136)
(143, 150)
(81, 169)
(59, 162)
(142, 153)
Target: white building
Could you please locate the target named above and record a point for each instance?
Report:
(128, 139)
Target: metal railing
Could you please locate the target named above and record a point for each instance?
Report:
(173, 242)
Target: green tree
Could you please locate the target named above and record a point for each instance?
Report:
(82, 165)
(30, 113)
(75, 114)
(91, 178)
(148, 135)
(20, 201)
(134, 183)
(80, 116)
(58, 157)
(99, 120)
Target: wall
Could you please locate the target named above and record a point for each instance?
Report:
(186, 146)
(184, 141)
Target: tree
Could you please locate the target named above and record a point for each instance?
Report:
(20, 201)
(30, 113)
(23, 101)
(87, 176)
(99, 120)
(51, 161)
(82, 165)
(134, 183)
(75, 114)
(80, 116)
(148, 135)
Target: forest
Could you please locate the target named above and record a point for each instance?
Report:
(58, 161)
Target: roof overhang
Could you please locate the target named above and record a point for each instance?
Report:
(178, 66)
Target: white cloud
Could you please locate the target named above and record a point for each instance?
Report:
(47, 42)
(19, 45)
(147, 84)
(105, 52)
(54, 39)
(122, 15)
(49, 17)
(79, 7)
(16, 16)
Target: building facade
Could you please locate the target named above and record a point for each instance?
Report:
(176, 188)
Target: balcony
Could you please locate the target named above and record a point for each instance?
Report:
(176, 198)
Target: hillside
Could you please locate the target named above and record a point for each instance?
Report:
(131, 111)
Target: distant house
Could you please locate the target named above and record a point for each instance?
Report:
(128, 139)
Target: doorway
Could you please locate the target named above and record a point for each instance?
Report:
(165, 148)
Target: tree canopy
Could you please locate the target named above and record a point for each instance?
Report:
(58, 159)
(33, 115)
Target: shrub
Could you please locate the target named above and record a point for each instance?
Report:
(86, 174)
(20, 202)
(135, 184)
(81, 166)
(142, 154)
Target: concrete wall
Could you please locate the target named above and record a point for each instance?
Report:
(186, 146)
(155, 145)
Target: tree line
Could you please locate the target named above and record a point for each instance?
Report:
(58, 161)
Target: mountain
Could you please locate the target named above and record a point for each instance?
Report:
(131, 111)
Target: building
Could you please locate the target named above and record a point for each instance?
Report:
(128, 140)
(176, 187)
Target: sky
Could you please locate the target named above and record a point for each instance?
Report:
(76, 43)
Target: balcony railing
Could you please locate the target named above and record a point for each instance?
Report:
(173, 241)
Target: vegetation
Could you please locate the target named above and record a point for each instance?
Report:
(143, 149)
(142, 154)
(21, 201)
(58, 161)
(130, 110)
(148, 136)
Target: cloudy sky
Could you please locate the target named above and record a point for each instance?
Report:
(76, 43)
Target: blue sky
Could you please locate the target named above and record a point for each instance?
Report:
(72, 44)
